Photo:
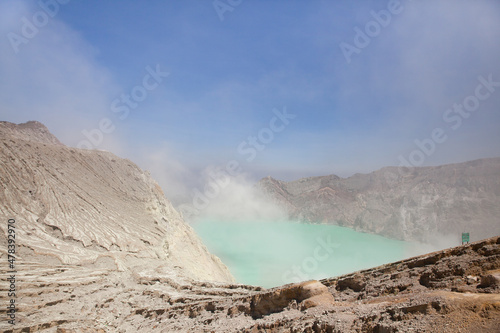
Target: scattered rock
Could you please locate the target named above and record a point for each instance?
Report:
(307, 294)
(490, 281)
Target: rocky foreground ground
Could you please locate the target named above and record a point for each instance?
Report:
(454, 290)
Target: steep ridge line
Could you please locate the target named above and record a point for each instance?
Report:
(70, 204)
(414, 204)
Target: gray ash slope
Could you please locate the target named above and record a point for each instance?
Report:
(404, 203)
(83, 207)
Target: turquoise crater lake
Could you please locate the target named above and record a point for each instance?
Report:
(270, 254)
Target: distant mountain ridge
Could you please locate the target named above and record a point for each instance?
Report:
(402, 203)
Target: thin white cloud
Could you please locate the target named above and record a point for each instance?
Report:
(53, 78)
(234, 199)
(173, 176)
(395, 91)
(428, 58)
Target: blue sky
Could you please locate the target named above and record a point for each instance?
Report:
(227, 76)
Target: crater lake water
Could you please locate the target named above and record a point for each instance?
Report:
(270, 254)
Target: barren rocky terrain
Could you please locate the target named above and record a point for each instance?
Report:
(455, 290)
(100, 249)
(413, 204)
(75, 206)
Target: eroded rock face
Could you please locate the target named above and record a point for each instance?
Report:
(414, 204)
(75, 206)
